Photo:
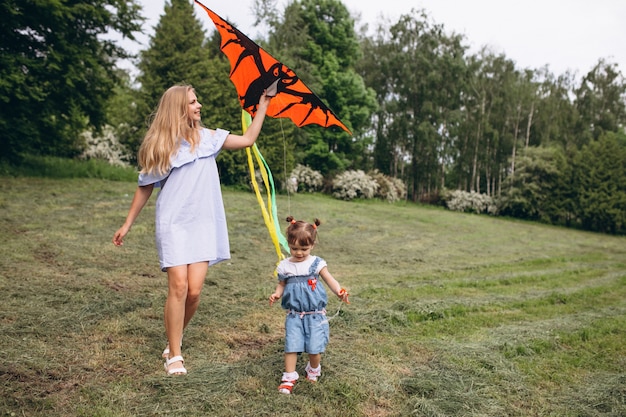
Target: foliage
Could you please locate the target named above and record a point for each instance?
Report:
(122, 117)
(527, 138)
(305, 179)
(601, 101)
(425, 71)
(353, 184)
(389, 188)
(539, 188)
(57, 70)
(599, 173)
(104, 145)
(469, 202)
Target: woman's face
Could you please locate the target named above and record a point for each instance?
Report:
(194, 107)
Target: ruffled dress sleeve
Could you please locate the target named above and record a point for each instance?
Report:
(209, 146)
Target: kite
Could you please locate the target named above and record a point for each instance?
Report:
(252, 71)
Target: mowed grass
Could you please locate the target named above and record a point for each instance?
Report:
(451, 314)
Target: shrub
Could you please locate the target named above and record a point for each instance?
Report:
(389, 188)
(304, 179)
(470, 202)
(105, 146)
(354, 184)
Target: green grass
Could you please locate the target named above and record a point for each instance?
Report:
(56, 167)
(451, 315)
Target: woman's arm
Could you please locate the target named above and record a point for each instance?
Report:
(142, 194)
(252, 133)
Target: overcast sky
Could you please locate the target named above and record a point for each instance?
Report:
(563, 34)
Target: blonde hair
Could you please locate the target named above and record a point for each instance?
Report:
(171, 122)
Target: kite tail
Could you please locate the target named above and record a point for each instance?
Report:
(270, 212)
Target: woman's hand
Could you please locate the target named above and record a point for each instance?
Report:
(118, 237)
(264, 101)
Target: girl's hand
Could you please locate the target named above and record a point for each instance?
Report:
(343, 295)
(273, 298)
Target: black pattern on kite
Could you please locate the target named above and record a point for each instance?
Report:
(254, 70)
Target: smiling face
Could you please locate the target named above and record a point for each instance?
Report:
(193, 107)
(299, 253)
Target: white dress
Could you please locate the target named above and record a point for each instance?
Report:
(190, 219)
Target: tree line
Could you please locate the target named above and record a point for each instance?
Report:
(422, 108)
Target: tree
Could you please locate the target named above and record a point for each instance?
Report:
(427, 72)
(317, 40)
(599, 176)
(556, 117)
(57, 70)
(539, 189)
(375, 68)
(601, 101)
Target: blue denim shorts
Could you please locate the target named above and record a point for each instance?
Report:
(306, 333)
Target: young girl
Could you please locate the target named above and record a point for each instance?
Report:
(178, 155)
(304, 298)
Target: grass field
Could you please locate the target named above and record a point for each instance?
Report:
(451, 314)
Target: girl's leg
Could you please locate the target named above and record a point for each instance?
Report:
(313, 368)
(290, 362)
(315, 359)
(290, 376)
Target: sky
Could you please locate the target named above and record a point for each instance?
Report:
(565, 35)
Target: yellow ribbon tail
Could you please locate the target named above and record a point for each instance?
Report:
(268, 212)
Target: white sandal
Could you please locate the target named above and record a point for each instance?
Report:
(166, 351)
(175, 371)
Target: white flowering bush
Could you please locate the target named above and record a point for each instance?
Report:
(304, 179)
(389, 188)
(354, 184)
(470, 202)
(106, 146)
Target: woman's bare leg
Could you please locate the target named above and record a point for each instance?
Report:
(183, 296)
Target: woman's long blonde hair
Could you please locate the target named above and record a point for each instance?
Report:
(170, 123)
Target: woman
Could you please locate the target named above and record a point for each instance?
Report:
(178, 155)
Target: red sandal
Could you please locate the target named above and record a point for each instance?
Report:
(287, 384)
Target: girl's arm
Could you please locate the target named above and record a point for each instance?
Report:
(253, 131)
(280, 288)
(334, 285)
(142, 194)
